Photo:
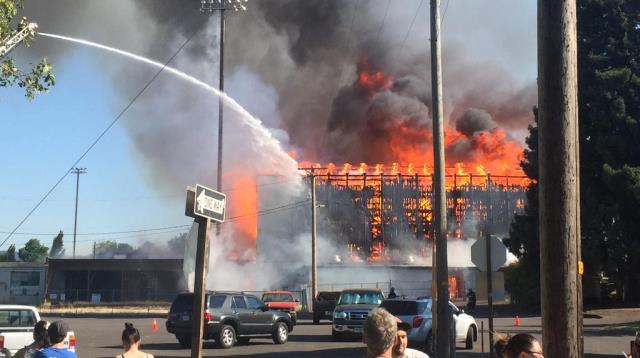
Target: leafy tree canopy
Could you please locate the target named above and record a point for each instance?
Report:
(33, 251)
(34, 80)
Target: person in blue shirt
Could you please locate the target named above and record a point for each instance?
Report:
(57, 332)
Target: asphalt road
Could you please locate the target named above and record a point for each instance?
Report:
(100, 337)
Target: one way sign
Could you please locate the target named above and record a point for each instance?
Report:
(209, 203)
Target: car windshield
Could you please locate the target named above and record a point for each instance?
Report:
(328, 296)
(360, 298)
(277, 297)
(404, 308)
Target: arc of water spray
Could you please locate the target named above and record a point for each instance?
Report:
(245, 115)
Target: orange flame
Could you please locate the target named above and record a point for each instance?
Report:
(372, 80)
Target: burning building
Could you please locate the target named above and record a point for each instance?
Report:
(384, 215)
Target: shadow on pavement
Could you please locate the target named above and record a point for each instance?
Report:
(333, 353)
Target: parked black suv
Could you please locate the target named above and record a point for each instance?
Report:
(229, 317)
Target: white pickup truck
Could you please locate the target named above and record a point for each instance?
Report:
(16, 328)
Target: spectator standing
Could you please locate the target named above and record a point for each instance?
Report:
(471, 301)
(40, 340)
(131, 343)
(521, 345)
(392, 293)
(380, 333)
(57, 332)
(400, 349)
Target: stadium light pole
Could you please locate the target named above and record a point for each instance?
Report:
(222, 6)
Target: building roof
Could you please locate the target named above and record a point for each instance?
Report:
(21, 264)
(69, 264)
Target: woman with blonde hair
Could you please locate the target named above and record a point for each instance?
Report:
(521, 345)
(131, 343)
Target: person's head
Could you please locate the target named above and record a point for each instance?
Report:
(402, 339)
(57, 331)
(40, 334)
(521, 345)
(130, 336)
(380, 330)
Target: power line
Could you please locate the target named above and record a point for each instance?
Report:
(349, 39)
(226, 190)
(257, 213)
(97, 139)
(386, 12)
(444, 13)
(415, 16)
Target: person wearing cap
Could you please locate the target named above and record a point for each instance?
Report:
(400, 349)
(57, 332)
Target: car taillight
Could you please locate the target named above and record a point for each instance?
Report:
(417, 321)
(72, 341)
(1, 342)
(207, 316)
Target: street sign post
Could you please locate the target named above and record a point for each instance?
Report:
(203, 204)
(479, 253)
(209, 203)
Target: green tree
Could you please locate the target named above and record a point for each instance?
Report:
(57, 247)
(36, 79)
(609, 109)
(11, 253)
(33, 251)
(106, 249)
(522, 279)
(609, 100)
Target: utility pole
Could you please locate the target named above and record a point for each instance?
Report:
(443, 314)
(77, 172)
(558, 145)
(314, 263)
(222, 6)
(489, 263)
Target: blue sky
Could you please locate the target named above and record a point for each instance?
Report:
(41, 139)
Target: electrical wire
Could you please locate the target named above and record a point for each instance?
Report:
(415, 16)
(444, 13)
(98, 139)
(176, 227)
(386, 12)
(349, 44)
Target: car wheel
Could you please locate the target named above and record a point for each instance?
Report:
(227, 337)
(280, 333)
(429, 344)
(316, 319)
(243, 340)
(468, 344)
(336, 336)
(184, 341)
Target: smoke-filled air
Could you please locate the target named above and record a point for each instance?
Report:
(317, 82)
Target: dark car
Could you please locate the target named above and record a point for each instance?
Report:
(229, 317)
(352, 309)
(324, 305)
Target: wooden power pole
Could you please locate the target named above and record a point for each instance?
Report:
(443, 313)
(559, 195)
(314, 263)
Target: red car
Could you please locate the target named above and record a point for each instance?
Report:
(281, 301)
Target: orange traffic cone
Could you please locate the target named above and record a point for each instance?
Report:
(154, 326)
(517, 323)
